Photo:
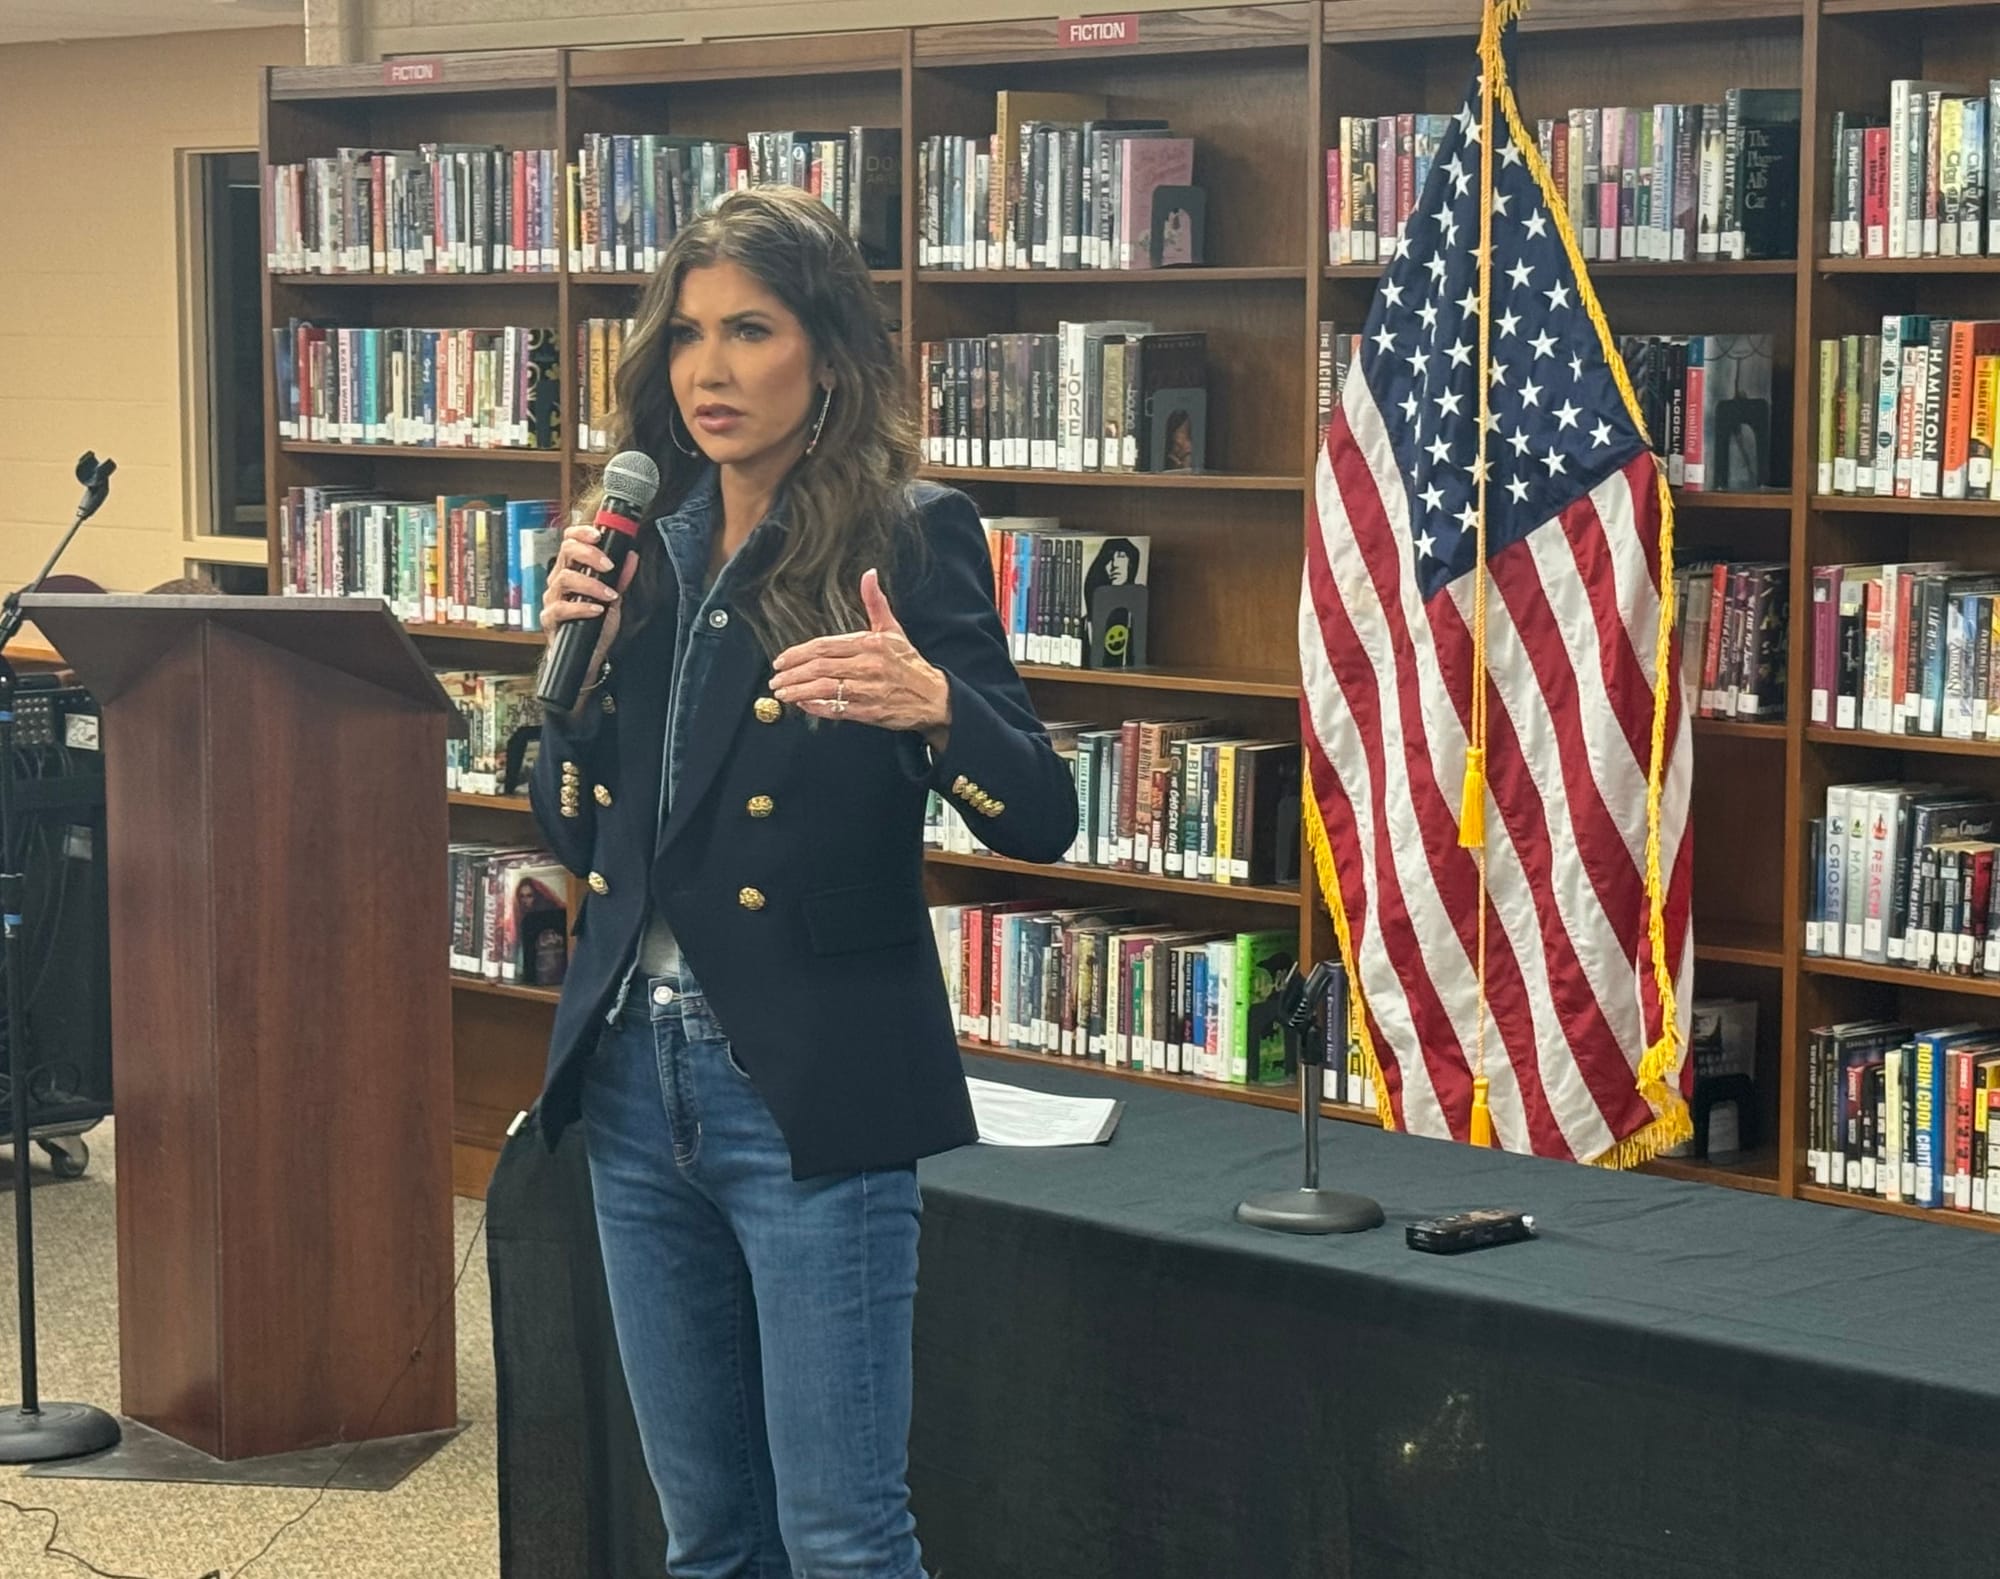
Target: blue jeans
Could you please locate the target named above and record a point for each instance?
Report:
(764, 1323)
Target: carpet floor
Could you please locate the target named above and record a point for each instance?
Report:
(441, 1522)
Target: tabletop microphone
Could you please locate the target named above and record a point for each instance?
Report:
(630, 482)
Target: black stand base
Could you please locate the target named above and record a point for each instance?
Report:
(1309, 1209)
(56, 1431)
(1311, 1212)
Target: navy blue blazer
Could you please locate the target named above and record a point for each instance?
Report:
(790, 864)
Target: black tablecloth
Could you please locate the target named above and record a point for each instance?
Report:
(1113, 1378)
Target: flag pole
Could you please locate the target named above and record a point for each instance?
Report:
(1472, 797)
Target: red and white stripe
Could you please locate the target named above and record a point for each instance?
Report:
(1571, 614)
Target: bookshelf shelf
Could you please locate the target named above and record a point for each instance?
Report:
(1896, 7)
(637, 277)
(1750, 268)
(1216, 682)
(1897, 267)
(1284, 1096)
(1379, 21)
(1928, 745)
(428, 452)
(1755, 1171)
(461, 982)
(1924, 1214)
(1873, 504)
(1276, 274)
(1739, 728)
(1899, 976)
(514, 803)
(477, 633)
(1739, 943)
(1697, 499)
(1111, 877)
(1193, 482)
(312, 281)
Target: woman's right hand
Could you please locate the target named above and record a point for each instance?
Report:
(574, 593)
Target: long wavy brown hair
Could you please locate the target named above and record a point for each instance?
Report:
(846, 505)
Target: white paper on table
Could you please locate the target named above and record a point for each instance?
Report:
(1010, 1116)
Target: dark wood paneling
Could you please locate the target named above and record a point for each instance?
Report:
(163, 1018)
(330, 1055)
(500, 1045)
(741, 61)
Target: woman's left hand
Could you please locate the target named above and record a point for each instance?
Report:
(870, 677)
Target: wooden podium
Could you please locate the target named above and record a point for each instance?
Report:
(281, 1014)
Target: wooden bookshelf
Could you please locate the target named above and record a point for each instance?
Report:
(1285, 1096)
(1164, 278)
(1738, 729)
(1740, 943)
(1112, 877)
(415, 281)
(1184, 482)
(461, 982)
(1701, 499)
(1261, 87)
(1755, 1170)
(422, 452)
(1854, 49)
(1192, 682)
(1921, 1214)
(513, 803)
(1922, 745)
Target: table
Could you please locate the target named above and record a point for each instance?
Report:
(1115, 1379)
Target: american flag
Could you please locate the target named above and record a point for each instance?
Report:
(1574, 524)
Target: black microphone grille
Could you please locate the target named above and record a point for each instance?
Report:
(632, 477)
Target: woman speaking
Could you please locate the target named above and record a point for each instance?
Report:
(754, 1025)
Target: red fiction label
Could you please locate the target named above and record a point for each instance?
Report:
(408, 73)
(1098, 32)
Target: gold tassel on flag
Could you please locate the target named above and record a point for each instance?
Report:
(1480, 1132)
(1472, 801)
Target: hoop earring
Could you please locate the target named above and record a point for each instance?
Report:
(674, 426)
(825, 405)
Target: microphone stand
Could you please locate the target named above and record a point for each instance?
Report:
(1309, 1209)
(36, 1432)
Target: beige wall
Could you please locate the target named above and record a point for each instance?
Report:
(90, 353)
(377, 28)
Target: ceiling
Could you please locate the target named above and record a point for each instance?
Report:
(25, 21)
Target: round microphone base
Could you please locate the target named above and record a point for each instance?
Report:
(56, 1431)
(1311, 1212)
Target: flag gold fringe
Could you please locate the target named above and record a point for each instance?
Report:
(1671, 1122)
(1643, 1145)
(1357, 1014)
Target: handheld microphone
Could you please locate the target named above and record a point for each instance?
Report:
(630, 482)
